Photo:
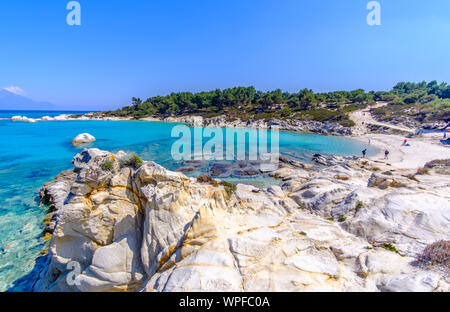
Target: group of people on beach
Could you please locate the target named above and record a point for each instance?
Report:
(386, 153)
(404, 143)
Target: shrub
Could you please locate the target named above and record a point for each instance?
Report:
(422, 171)
(107, 165)
(347, 123)
(359, 206)
(207, 179)
(342, 219)
(390, 247)
(412, 177)
(397, 184)
(436, 253)
(134, 162)
(439, 166)
(303, 233)
(438, 163)
(330, 219)
(286, 112)
(389, 173)
(229, 187)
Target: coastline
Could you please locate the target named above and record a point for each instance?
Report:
(343, 212)
(420, 150)
(305, 126)
(340, 186)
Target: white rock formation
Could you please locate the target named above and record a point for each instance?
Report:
(380, 203)
(82, 139)
(151, 229)
(23, 119)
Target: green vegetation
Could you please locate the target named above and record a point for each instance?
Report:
(342, 219)
(412, 177)
(422, 101)
(76, 116)
(246, 102)
(303, 234)
(389, 173)
(107, 165)
(229, 187)
(330, 219)
(134, 162)
(359, 206)
(390, 247)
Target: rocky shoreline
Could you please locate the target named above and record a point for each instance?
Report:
(353, 225)
(325, 128)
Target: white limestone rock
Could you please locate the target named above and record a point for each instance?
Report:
(83, 139)
(151, 229)
(23, 119)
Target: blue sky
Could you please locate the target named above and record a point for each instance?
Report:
(146, 48)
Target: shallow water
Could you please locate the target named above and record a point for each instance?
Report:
(32, 154)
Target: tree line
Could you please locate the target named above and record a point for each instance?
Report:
(249, 100)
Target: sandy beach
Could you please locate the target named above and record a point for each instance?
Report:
(415, 155)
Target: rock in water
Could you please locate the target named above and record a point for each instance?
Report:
(82, 139)
(24, 119)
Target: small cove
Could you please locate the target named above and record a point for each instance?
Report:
(33, 154)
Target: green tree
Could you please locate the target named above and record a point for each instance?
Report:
(136, 102)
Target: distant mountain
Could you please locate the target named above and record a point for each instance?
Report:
(11, 101)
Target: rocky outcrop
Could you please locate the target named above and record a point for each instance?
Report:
(23, 119)
(150, 229)
(222, 121)
(375, 201)
(83, 139)
(327, 128)
(54, 194)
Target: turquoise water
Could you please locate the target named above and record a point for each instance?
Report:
(32, 154)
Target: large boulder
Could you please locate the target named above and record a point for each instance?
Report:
(83, 139)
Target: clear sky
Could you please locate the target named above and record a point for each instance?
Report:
(127, 48)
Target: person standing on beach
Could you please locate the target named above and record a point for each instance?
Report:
(386, 154)
(364, 153)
